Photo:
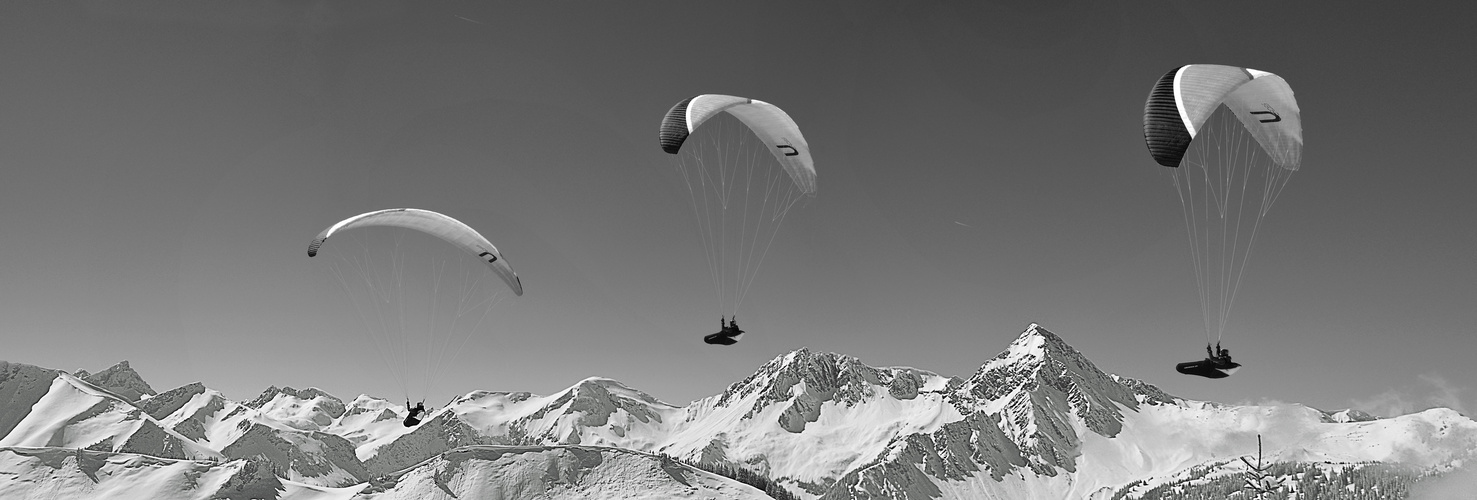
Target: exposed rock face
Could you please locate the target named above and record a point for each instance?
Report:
(306, 409)
(955, 452)
(591, 403)
(1350, 415)
(166, 403)
(434, 436)
(596, 411)
(21, 386)
(256, 479)
(332, 405)
(356, 410)
(315, 457)
(150, 439)
(193, 426)
(1145, 392)
(905, 385)
(822, 378)
(1042, 383)
(1019, 412)
(121, 380)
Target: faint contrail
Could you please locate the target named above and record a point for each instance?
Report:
(470, 20)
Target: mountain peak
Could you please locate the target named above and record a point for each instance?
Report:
(801, 353)
(611, 389)
(1146, 392)
(1034, 346)
(23, 385)
(302, 409)
(120, 379)
(167, 402)
(1038, 385)
(304, 394)
(1347, 415)
(1038, 355)
(599, 382)
(805, 356)
(802, 381)
(787, 369)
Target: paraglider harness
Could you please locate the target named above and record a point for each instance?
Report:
(410, 417)
(728, 335)
(1217, 364)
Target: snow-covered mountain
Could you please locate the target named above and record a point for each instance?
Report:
(76, 414)
(501, 472)
(120, 379)
(1037, 421)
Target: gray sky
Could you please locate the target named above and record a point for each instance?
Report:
(165, 164)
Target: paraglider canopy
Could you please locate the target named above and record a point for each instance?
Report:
(768, 122)
(1184, 99)
(432, 223)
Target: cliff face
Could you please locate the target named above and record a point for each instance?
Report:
(119, 379)
(21, 386)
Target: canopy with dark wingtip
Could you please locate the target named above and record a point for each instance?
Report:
(768, 122)
(435, 224)
(1183, 99)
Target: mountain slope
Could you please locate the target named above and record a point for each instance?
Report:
(806, 418)
(508, 473)
(62, 473)
(554, 473)
(1024, 415)
(76, 414)
(21, 386)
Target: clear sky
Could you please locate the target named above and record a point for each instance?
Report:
(163, 166)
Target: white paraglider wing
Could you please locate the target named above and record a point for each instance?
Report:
(1185, 98)
(435, 224)
(1267, 109)
(768, 122)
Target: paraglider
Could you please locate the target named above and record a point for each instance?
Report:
(1217, 364)
(416, 291)
(727, 334)
(411, 419)
(1232, 137)
(744, 170)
